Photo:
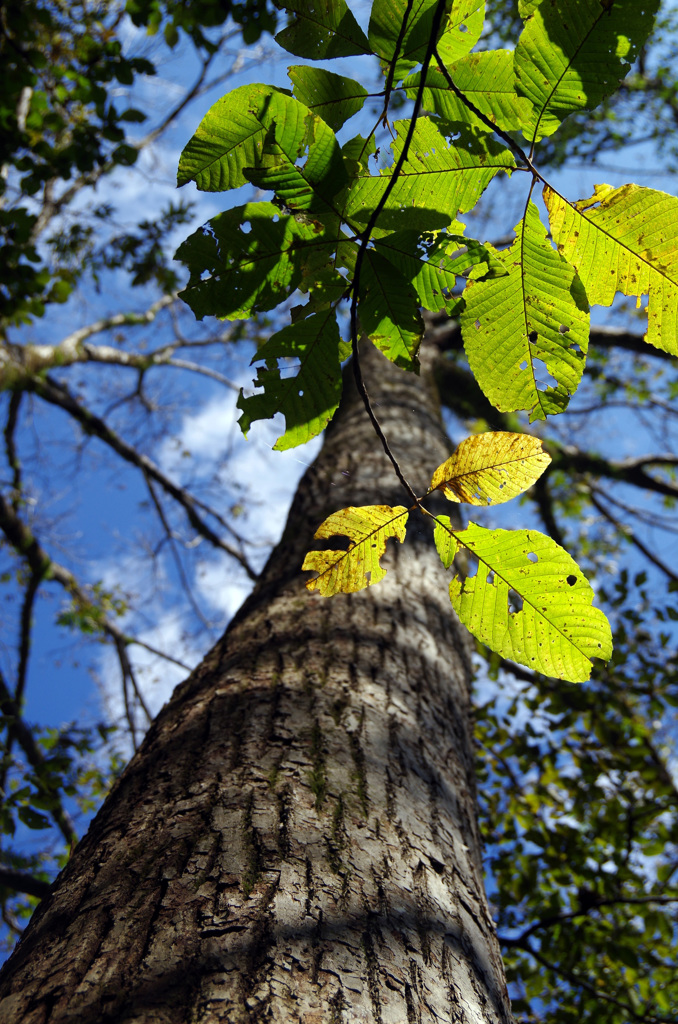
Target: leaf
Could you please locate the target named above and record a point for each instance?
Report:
(533, 323)
(320, 30)
(309, 398)
(557, 631)
(624, 240)
(431, 262)
(332, 97)
(386, 20)
(260, 134)
(574, 53)
(368, 528)
(249, 259)
(389, 311)
(491, 468)
(462, 29)
(439, 178)
(527, 8)
(487, 80)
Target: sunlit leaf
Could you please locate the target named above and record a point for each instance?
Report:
(332, 97)
(624, 240)
(440, 178)
(368, 528)
(321, 29)
(308, 393)
(573, 53)
(553, 627)
(526, 334)
(249, 259)
(490, 468)
(462, 29)
(487, 80)
(386, 20)
(432, 261)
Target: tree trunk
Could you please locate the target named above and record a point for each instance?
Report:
(296, 839)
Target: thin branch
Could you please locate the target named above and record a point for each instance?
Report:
(58, 394)
(627, 532)
(10, 444)
(10, 709)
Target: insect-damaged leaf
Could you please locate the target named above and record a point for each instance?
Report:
(533, 324)
(368, 528)
(624, 240)
(332, 97)
(490, 468)
(307, 398)
(557, 630)
(321, 30)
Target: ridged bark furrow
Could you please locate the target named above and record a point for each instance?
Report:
(296, 840)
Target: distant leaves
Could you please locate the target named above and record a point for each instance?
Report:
(491, 468)
(550, 624)
(307, 394)
(624, 240)
(574, 53)
(368, 528)
(526, 334)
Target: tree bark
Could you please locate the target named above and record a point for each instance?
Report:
(296, 839)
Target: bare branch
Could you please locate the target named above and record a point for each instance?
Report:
(19, 881)
(627, 532)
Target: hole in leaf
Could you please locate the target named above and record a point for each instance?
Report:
(523, 365)
(543, 378)
(490, 577)
(477, 324)
(571, 580)
(532, 556)
(246, 227)
(532, 336)
(574, 347)
(515, 602)
(564, 329)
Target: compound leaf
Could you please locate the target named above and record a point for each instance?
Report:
(368, 528)
(491, 468)
(309, 398)
(332, 97)
(573, 53)
(321, 29)
(487, 80)
(624, 240)
(530, 325)
(557, 630)
(249, 259)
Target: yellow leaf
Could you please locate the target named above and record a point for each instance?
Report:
(490, 468)
(368, 528)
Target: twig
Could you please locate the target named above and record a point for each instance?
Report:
(627, 532)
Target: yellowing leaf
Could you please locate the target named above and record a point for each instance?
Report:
(491, 468)
(624, 240)
(368, 528)
(553, 627)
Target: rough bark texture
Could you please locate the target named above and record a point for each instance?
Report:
(296, 840)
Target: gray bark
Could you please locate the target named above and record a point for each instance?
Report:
(296, 840)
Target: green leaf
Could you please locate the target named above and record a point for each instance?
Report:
(332, 97)
(537, 314)
(624, 240)
(33, 819)
(491, 468)
(321, 30)
(487, 79)
(574, 53)
(386, 19)
(389, 311)
(439, 178)
(557, 631)
(461, 30)
(368, 528)
(260, 134)
(431, 262)
(308, 399)
(527, 7)
(249, 259)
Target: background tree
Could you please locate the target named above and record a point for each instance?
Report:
(592, 798)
